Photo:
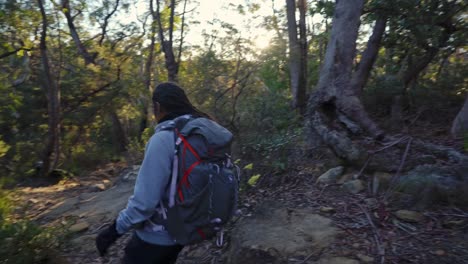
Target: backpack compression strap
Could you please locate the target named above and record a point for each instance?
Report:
(184, 180)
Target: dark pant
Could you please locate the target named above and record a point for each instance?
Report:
(138, 251)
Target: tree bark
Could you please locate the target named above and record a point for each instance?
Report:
(334, 94)
(172, 65)
(149, 61)
(369, 56)
(89, 58)
(297, 61)
(301, 93)
(52, 148)
(119, 137)
(460, 123)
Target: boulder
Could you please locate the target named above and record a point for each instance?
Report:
(274, 233)
(430, 185)
(347, 177)
(381, 181)
(354, 186)
(331, 176)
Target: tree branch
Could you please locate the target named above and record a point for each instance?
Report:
(106, 21)
(179, 55)
(87, 96)
(171, 21)
(9, 53)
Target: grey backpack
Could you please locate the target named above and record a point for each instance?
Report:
(204, 185)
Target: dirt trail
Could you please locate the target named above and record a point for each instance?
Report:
(286, 219)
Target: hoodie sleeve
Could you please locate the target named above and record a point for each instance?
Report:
(151, 182)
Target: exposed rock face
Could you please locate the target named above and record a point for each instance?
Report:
(96, 206)
(272, 234)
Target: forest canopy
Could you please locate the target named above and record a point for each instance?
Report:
(76, 76)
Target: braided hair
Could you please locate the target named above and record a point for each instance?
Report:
(174, 101)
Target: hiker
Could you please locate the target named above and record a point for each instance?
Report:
(152, 210)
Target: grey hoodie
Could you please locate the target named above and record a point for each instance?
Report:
(150, 188)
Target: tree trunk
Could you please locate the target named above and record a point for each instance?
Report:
(52, 148)
(148, 73)
(460, 123)
(369, 56)
(89, 58)
(301, 93)
(334, 95)
(172, 65)
(119, 137)
(296, 59)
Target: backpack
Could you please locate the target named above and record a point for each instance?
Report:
(203, 189)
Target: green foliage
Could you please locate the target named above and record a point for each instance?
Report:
(248, 166)
(3, 147)
(280, 129)
(136, 147)
(23, 241)
(253, 180)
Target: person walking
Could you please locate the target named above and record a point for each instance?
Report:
(151, 243)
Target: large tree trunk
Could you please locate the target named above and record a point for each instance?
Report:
(297, 60)
(52, 148)
(335, 96)
(460, 123)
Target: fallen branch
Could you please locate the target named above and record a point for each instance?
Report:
(377, 237)
(372, 153)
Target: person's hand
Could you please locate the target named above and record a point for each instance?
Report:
(106, 238)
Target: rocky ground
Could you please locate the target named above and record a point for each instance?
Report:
(302, 216)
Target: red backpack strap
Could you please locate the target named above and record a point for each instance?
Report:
(186, 172)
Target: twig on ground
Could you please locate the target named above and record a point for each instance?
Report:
(364, 167)
(391, 187)
(377, 237)
(391, 144)
(321, 191)
(372, 153)
(306, 259)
